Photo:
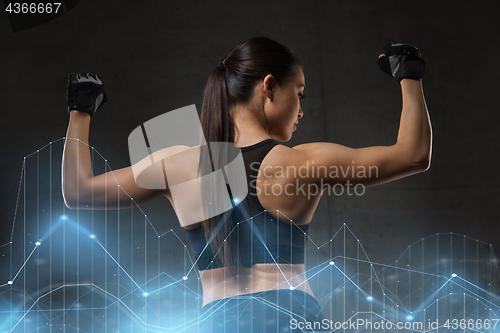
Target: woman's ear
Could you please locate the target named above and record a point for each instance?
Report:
(269, 86)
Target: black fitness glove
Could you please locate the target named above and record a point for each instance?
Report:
(85, 93)
(402, 61)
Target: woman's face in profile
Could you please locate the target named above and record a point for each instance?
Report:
(285, 112)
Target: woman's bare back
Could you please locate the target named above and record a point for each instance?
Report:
(291, 206)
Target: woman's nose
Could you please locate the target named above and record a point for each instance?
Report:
(301, 113)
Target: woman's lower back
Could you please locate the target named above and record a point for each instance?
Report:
(218, 284)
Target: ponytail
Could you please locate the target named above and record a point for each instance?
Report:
(217, 126)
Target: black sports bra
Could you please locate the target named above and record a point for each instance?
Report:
(261, 237)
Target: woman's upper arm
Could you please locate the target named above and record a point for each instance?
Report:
(331, 164)
(113, 190)
(137, 184)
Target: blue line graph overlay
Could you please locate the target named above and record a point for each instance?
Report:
(123, 271)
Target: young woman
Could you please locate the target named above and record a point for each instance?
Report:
(252, 271)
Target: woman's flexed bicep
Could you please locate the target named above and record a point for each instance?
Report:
(81, 189)
(378, 164)
(329, 164)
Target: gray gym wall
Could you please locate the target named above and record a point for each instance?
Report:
(156, 56)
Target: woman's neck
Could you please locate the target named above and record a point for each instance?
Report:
(250, 126)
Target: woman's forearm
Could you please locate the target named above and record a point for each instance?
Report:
(76, 162)
(415, 132)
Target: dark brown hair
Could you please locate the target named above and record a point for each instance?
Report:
(245, 65)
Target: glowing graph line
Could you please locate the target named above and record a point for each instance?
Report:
(428, 303)
(438, 234)
(496, 297)
(94, 285)
(17, 202)
(74, 285)
(366, 254)
(337, 268)
(35, 302)
(24, 264)
(389, 266)
(327, 266)
(321, 270)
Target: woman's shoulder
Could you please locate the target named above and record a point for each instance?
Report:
(281, 155)
(282, 158)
